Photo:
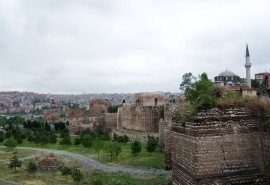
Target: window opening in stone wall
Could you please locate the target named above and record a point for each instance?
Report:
(156, 101)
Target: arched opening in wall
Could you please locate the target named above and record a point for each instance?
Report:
(156, 101)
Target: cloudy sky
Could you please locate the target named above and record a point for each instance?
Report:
(121, 46)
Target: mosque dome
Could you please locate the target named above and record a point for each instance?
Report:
(227, 78)
(227, 73)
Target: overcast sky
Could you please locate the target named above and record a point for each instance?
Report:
(121, 46)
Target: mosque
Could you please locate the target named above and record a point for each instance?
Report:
(228, 78)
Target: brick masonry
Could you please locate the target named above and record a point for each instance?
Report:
(216, 147)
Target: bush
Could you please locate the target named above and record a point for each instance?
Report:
(152, 143)
(11, 143)
(136, 147)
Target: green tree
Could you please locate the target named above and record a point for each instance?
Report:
(2, 137)
(109, 148)
(52, 137)
(117, 149)
(3, 121)
(255, 83)
(151, 144)
(113, 108)
(113, 148)
(136, 147)
(44, 138)
(11, 143)
(98, 145)
(36, 137)
(65, 171)
(32, 167)
(77, 141)
(77, 175)
(87, 141)
(66, 140)
(14, 163)
(201, 92)
(187, 82)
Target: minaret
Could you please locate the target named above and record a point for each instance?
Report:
(248, 65)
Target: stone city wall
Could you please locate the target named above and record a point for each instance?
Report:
(165, 134)
(216, 147)
(110, 120)
(149, 98)
(140, 118)
(98, 107)
(75, 113)
(51, 115)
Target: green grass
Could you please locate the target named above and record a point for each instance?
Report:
(142, 160)
(55, 178)
(125, 158)
(6, 154)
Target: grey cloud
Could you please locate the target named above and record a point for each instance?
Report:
(126, 46)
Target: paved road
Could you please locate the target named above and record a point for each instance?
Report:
(91, 164)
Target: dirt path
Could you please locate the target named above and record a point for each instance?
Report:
(91, 164)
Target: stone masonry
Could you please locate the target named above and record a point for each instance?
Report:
(141, 117)
(51, 115)
(143, 114)
(99, 106)
(75, 113)
(216, 147)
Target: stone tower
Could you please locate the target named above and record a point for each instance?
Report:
(248, 65)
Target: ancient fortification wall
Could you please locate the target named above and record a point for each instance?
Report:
(143, 114)
(149, 98)
(75, 113)
(216, 147)
(140, 118)
(51, 115)
(99, 106)
(110, 120)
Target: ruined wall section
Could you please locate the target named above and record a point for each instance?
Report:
(99, 107)
(216, 147)
(149, 98)
(51, 115)
(140, 118)
(165, 134)
(110, 120)
(75, 113)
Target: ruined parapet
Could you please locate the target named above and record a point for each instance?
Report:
(47, 162)
(149, 98)
(216, 147)
(75, 113)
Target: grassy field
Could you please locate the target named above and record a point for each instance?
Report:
(142, 160)
(8, 176)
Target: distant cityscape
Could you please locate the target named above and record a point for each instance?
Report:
(15, 102)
